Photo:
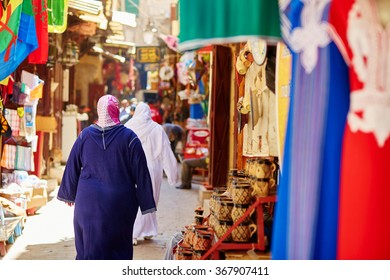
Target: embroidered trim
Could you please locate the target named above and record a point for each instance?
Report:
(312, 35)
(370, 106)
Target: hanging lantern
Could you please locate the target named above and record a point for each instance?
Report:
(75, 53)
(70, 54)
(149, 32)
(53, 53)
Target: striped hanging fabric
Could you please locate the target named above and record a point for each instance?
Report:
(8, 156)
(13, 120)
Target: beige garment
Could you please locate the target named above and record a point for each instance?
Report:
(247, 103)
(260, 139)
(254, 130)
(272, 126)
(250, 77)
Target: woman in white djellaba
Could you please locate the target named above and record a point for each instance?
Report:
(160, 159)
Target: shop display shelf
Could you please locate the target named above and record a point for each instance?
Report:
(213, 252)
(7, 225)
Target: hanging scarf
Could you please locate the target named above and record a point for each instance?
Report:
(39, 56)
(108, 111)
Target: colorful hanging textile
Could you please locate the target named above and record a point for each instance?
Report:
(23, 158)
(306, 213)
(17, 35)
(13, 120)
(364, 229)
(205, 22)
(39, 56)
(7, 87)
(57, 15)
(8, 156)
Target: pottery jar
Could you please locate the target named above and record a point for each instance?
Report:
(252, 180)
(188, 235)
(239, 210)
(199, 211)
(197, 254)
(247, 166)
(202, 240)
(242, 193)
(237, 181)
(199, 219)
(183, 255)
(221, 228)
(214, 197)
(213, 221)
(243, 232)
(217, 202)
(235, 173)
(252, 168)
(224, 209)
(262, 187)
(182, 246)
(264, 168)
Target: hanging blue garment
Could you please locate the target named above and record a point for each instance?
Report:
(307, 209)
(336, 114)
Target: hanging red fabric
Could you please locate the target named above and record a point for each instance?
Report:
(40, 55)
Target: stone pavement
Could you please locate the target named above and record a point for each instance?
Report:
(48, 235)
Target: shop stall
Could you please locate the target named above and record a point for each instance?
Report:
(238, 216)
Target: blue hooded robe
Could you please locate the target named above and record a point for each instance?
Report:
(107, 178)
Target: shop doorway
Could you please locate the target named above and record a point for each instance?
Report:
(220, 116)
(95, 91)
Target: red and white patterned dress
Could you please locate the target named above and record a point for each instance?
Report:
(364, 221)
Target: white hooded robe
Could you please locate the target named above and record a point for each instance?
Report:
(160, 158)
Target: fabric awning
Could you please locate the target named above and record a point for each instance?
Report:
(88, 6)
(207, 22)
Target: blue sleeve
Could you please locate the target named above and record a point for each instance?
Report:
(68, 188)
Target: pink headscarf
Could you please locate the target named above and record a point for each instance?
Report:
(108, 111)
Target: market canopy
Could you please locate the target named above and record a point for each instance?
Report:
(207, 22)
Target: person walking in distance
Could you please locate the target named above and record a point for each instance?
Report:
(124, 111)
(107, 179)
(160, 159)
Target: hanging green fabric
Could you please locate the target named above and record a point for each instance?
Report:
(57, 15)
(207, 22)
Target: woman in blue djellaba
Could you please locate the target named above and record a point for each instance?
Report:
(107, 179)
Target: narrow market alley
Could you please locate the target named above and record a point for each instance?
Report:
(48, 235)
